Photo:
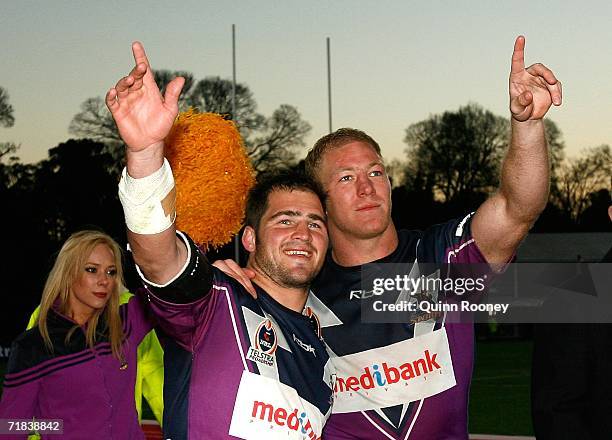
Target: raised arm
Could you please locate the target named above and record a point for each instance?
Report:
(503, 220)
(144, 118)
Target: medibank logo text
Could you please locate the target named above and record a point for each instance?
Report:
(385, 374)
(285, 418)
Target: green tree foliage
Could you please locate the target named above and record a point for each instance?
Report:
(6, 110)
(78, 183)
(556, 146)
(581, 177)
(456, 153)
(7, 120)
(453, 164)
(74, 188)
(595, 217)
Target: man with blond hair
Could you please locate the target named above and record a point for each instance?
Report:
(411, 379)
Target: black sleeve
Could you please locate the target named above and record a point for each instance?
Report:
(193, 283)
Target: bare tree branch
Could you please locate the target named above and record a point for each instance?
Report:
(271, 142)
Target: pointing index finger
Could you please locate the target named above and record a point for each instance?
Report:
(518, 56)
(142, 72)
(139, 53)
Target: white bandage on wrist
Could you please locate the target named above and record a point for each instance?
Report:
(149, 203)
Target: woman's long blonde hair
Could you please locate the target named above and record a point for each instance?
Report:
(69, 266)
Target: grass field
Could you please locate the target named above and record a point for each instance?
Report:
(499, 400)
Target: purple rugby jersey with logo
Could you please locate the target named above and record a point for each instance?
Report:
(395, 380)
(241, 367)
(88, 389)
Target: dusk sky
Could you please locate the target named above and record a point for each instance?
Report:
(393, 62)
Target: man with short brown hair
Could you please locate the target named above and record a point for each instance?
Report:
(244, 365)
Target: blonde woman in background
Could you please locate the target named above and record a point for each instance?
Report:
(78, 365)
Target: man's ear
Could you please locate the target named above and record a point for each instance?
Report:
(248, 239)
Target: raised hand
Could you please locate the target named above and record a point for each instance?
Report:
(532, 90)
(143, 117)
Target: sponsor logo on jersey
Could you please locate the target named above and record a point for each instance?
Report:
(306, 347)
(265, 338)
(386, 374)
(265, 344)
(314, 319)
(363, 294)
(257, 356)
(396, 374)
(292, 420)
(267, 408)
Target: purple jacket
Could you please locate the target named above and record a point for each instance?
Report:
(90, 390)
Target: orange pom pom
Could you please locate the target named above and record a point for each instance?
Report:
(213, 175)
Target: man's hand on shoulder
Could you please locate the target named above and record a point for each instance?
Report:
(241, 274)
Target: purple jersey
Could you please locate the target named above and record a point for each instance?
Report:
(241, 367)
(397, 381)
